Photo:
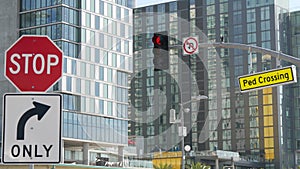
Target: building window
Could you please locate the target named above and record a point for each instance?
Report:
(122, 62)
(126, 15)
(209, 2)
(109, 10)
(173, 6)
(109, 75)
(105, 58)
(92, 5)
(92, 71)
(118, 45)
(161, 8)
(87, 87)
(101, 73)
(251, 27)
(101, 40)
(114, 60)
(101, 9)
(265, 36)
(101, 106)
(97, 89)
(109, 108)
(251, 15)
(265, 25)
(97, 22)
(82, 69)
(237, 18)
(237, 5)
(224, 8)
(105, 25)
(105, 90)
(211, 10)
(118, 12)
(252, 38)
(69, 84)
(265, 13)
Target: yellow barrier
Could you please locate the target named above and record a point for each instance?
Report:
(171, 158)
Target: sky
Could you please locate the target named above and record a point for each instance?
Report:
(294, 4)
(149, 2)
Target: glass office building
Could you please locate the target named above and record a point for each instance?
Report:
(154, 93)
(95, 37)
(291, 130)
(249, 123)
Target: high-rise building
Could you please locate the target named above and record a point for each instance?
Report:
(154, 93)
(95, 37)
(249, 123)
(291, 132)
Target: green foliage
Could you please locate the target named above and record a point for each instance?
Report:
(199, 165)
(163, 166)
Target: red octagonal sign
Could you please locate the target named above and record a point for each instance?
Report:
(33, 63)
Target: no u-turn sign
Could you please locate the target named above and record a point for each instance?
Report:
(190, 45)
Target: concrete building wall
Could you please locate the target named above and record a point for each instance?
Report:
(9, 22)
(8, 34)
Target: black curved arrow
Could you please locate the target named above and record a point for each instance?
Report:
(39, 110)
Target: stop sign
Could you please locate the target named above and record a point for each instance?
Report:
(33, 63)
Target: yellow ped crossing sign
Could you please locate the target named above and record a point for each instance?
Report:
(268, 78)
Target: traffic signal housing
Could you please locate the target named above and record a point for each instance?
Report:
(160, 51)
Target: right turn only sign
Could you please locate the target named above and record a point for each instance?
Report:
(32, 129)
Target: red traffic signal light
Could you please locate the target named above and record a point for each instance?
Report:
(160, 40)
(156, 39)
(160, 51)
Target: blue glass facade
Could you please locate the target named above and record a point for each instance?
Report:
(88, 127)
(95, 38)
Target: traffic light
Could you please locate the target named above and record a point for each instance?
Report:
(160, 51)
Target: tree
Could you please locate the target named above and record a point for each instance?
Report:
(199, 165)
(163, 166)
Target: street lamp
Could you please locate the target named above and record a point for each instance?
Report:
(182, 130)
